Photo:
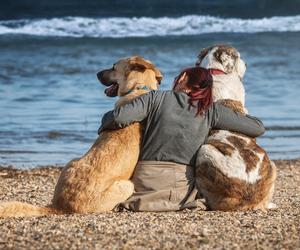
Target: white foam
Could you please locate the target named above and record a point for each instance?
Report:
(145, 26)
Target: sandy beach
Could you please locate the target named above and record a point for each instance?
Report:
(52, 105)
(275, 229)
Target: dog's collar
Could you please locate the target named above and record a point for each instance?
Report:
(216, 72)
(137, 88)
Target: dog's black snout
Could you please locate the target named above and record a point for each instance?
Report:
(103, 77)
(100, 75)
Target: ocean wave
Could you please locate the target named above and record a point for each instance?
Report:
(118, 27)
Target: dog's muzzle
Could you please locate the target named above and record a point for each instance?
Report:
(113, 87)
(102, 79)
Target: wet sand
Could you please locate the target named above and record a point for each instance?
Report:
(275, 229)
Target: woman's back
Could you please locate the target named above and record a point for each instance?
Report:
(172, 131)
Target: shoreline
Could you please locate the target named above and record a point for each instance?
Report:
(13, 168)
(189, 229)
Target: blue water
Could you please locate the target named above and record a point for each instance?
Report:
(51, 102)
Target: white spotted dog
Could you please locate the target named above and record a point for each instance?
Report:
(232, 171)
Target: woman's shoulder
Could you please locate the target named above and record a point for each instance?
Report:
(167, 96)
(160, 96)
(161, 93)
(167, 93)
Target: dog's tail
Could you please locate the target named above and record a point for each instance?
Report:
(21, 209)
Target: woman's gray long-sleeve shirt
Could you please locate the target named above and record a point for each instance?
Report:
(172, 131)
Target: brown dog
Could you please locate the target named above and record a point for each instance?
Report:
(99, 180)
(232, 171)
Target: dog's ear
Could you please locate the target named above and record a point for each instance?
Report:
(140, 64)
(137, 67)
(228, 61)
(228, 57)
(137, 63)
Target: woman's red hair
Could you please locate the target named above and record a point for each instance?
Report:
(200, 82)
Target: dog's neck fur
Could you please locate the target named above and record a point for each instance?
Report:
(135, 82)
(228, 86)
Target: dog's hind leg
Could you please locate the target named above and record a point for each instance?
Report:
(118, 192)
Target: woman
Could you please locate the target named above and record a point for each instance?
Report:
(176, 124)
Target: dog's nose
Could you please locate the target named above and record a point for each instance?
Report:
(100, 75)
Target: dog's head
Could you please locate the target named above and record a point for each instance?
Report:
(222, 57)
(229, 71)
(128, 73)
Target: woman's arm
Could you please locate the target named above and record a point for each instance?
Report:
(135, 111)
(226, 119)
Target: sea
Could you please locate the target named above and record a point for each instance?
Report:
(51, 102)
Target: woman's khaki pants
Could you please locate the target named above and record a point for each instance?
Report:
(162, 186)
